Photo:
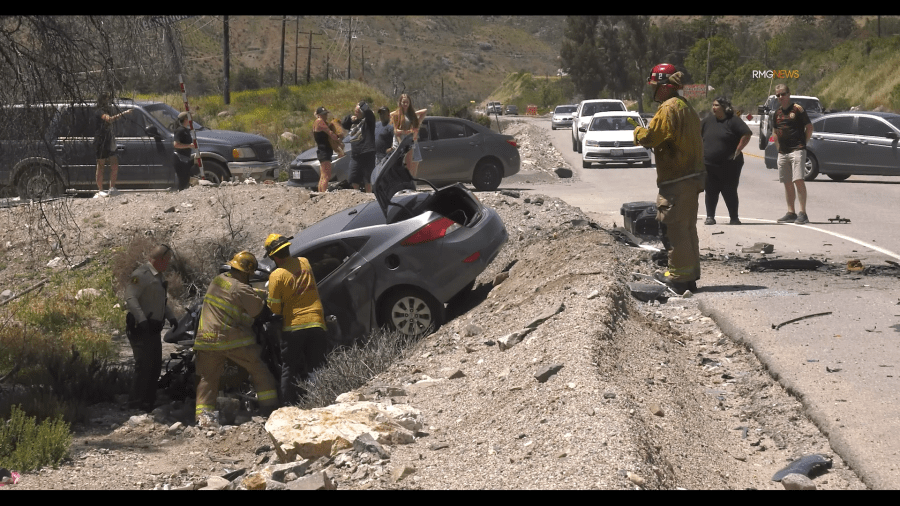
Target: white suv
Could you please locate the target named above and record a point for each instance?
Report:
(586, 110)
(811, 105)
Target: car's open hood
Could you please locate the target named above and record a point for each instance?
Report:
(391, 176)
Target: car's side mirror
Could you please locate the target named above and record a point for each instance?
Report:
(760, 110)
(892, 135)
(153, 132)
(582, 129)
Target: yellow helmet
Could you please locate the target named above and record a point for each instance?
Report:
(275, 242)
(244, 262)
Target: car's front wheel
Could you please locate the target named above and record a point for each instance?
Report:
(213, 171)
(411, 311)
(585, 164)
(811, 169)
(487, 176)
(763, 139)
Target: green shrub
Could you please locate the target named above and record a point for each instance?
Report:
(26, 445)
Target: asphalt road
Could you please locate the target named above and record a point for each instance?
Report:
(844, 366)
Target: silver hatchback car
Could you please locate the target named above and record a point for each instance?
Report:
(396, 261)
(850, 143)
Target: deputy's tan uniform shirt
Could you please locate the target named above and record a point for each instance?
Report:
(145, 295)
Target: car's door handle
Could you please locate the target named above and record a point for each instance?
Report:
(120, 147)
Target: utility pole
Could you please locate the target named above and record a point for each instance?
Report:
(362, 58)
(281, 75)
(296, 46)
(349, 52)
(326, 68)
(226, 65)
(309, 49)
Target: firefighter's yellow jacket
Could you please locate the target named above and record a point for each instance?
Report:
(674, 135)
(226, 318)
(293, 294)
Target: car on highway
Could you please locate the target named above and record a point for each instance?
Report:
(849, 143)
(453, 150)
(562, 116)
(585, 111)
(511, 109)
(766, 113)
(46, 149)
(495, 108)
(395, 261)
(609, 138)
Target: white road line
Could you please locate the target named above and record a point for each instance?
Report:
(829, 232)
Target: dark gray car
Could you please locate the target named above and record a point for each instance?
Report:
(850, 143)
(396, 261)
(454, 150)
(57, 151)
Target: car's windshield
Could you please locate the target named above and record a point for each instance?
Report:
(808, 104)
(894, 120)
(591, 109)
(612, 123)
(167, 116)
(563, 109)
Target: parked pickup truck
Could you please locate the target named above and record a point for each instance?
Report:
(48, 148)
(766, 112)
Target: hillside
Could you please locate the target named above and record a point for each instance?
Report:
(457, 58)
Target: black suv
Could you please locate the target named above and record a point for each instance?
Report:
(47, 148)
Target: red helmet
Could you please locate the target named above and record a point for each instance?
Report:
(660, 74)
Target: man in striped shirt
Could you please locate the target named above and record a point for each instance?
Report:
(294, 296)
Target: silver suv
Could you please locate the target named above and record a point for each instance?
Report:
(766, 113)
(55, 152)
(586, 110)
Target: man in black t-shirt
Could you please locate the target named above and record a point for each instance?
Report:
(362, 155)
(181, 160)
(792, 131)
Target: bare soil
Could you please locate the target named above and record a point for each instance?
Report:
(649, 395)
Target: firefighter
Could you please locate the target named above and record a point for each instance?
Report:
(294, 296)
(225, 333)
(145, 297)
(674, 135)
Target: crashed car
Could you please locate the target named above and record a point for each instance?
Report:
(394, 262)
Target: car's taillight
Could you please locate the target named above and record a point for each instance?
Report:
(430, 232)
(512, 142)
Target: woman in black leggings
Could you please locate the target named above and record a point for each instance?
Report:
(724, 136)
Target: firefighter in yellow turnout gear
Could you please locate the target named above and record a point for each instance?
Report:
(674, 135)
(225, 333)
(294, 296)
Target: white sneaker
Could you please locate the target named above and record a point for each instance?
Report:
(113, 191)
(100, 195)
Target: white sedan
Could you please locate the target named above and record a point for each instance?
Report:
(609, 138)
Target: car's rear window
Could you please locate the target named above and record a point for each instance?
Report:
(612, 123)
(565, 109)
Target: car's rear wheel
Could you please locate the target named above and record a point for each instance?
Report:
(487, 176)
(39, 182)
(411, 311)
(811, 169)
(838, 177)
(574, 145)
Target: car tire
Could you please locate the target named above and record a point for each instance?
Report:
(39, 182)
(487, 176)
(214, 171)
(580, 147)
(838, 177)
(763, 139)
(585, 164)
(574, 145)
(646, 163)
(811, 169)
(410, 311)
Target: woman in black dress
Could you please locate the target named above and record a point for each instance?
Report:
(724, 136)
